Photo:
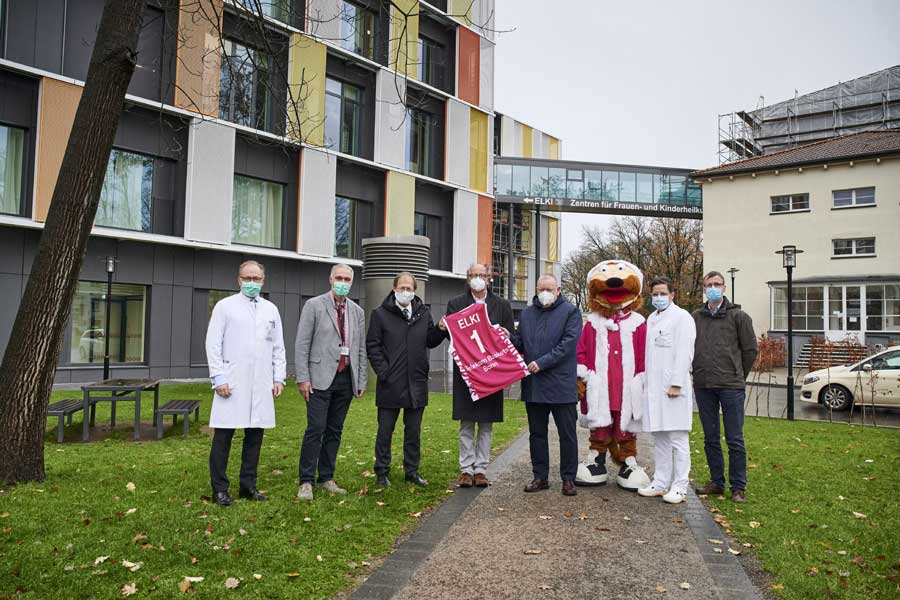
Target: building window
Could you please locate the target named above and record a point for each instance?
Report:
(213, 298)
(244, 86)
(422, 135)
(126, 323)
(883, 307)
(431, 62)
(575, 184)
(853, 247)
(126, 200)
(358, 30)
(257, 212)
(343, 110)
(854, 197)
(789, 203)
(644, 190)
(12, 144)
(808, 308)
(420, 227)
(345, 226)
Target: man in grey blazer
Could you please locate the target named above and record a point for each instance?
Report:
(330, 356)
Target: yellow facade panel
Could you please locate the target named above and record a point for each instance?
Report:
(554, 148)
(552, 239)
(306, 84)
(399, 204)
(527, 142)
(405, 37)
(478, 150)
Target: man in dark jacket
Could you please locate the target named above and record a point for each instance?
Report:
(724, 352)
(475, 450)
(548, 335)
(400, 333)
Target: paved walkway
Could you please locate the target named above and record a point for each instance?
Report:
(605, 542)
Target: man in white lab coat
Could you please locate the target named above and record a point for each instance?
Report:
(245, 354)
(668, 392)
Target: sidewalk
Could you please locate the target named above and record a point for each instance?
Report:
(604, 542)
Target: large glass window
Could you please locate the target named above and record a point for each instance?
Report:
(883, 307)
(126, 323)
(539, 181)
(593, 185)
(357, 30)
(244, 86)
(854, 197)
(644, 190)
(790, 203)
(277, 9)
(610, 185)
(345, 218)
(343, 110)
(431, 62)
(808, 309)
(575, 184)
(257, 212)
(503, 181)
(556, 186)
(127, 195)
(521, 180)
(422, 135)
(627, 187)
(12, 144)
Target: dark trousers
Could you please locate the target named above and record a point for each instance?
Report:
(732, 402)
(218, 458)
(565, 416)
(325, 414)
(412, 430)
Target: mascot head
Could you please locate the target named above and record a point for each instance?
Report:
(614, 286)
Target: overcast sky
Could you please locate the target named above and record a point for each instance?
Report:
(643, 82)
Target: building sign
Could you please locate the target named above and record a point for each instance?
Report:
(607, 206)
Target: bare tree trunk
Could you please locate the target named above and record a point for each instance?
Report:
(26, 374)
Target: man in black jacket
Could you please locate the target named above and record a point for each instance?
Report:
(401, 331)
(475, 450)
(724, 352)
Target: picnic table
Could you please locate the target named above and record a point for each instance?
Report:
(118, 390)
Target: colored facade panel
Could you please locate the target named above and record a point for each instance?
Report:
(527, 142)
(469, 46)
(318, 175)
(552, 239)
(306, 90)
(390, 119)
(553, 152)
(484, 252)
(399, 204)
(478, 151)
(486, 76)
(209, 188)
(460, 10)
(465, 236)
(457, 151)
(199, 56)
(323, 18)
(404, 56)
(56, 114)
(507, 136)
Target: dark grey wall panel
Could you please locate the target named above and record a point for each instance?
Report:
(12, 291)
(34, 33)
(437, 204)
(11, 250)
(182, 265)
(274, 273)
(159, 331)
(198, 327)
(225, 271)
(135, 262)
(182, 309)
(203, 262)
(18, 107)
(163, 264)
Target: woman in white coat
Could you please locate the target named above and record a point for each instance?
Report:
(668, 392)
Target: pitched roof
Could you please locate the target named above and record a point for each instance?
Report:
(864, 144)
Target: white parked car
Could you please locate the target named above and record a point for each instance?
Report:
(839, 387)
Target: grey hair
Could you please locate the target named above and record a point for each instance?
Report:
(341, 266)
(476, 264)
(549, 276)
(254, 263)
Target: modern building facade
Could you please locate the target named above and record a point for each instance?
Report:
(286, 137)
(838, 200)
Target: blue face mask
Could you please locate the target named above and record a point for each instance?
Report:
(661, 302)
(714, 294)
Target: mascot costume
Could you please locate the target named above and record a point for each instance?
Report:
(610, 368)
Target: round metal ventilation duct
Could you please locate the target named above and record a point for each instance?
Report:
(384, 257)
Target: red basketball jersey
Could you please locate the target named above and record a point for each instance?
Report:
(486, 357)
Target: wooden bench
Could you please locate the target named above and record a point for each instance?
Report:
(63, 410)
(175, 408)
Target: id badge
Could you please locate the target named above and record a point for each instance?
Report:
(345, 350)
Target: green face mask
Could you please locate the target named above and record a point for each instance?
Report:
(251, 289)
(340, 288)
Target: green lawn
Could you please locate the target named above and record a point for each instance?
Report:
(823, 507)
(56, 534)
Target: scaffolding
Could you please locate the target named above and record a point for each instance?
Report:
(866, 103)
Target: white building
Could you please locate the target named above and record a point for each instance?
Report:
(838, 200)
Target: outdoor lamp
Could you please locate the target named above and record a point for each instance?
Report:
(789, 256)
(110, 264)
(789, 261)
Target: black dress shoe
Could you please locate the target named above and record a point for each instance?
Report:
(416, 479)
(223, 499)
(537, 485)
(252, 494)
(383, 481)
(568, 488)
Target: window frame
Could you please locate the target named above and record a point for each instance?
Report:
(419, 117)
(257, 83)
(23, 166)
(281, 231)
(853, 198)
(348, 43)
(145, 329)
(352, 229)
(343, 99)
(854, 243)
(153, 173)
(791, 198)
(805, 301)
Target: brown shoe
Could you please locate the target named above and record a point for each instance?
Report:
(710, 489)
(537, 485)
(465, 480)
(568, 488)
(481, 480)
(738, 496)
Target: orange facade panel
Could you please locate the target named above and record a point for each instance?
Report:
(483, 250)
(56, 114)
(199, 56)
(469, 66)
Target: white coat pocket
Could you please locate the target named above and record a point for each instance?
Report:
(664, 339)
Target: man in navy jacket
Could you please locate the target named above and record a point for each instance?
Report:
(548, 334)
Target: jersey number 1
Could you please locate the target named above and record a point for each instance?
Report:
(477, 339)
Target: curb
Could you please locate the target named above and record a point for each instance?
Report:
(400, 566)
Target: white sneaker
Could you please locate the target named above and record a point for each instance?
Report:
(651, 491)
(305, 492)
(675, 496)
(331, 486)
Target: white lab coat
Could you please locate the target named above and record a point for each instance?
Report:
(245, 349)
(669, 353)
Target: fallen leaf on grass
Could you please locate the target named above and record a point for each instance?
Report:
(776, 586)
(532, 552)
(306, 519)
(132, 566)
(99, 572)
(842, 552)
(735, 552)
(747, 545)
(567, 514)
(379, 503)
(277, 472)
(812, 571)
(100, 560)
(414, 515)
(755, 524)
(364, 491)
(545, 517)
(292, 575)
(130, 486)
(858, 515)
(4, 515)
(232, 583)
(130, 511)
(795, 510)
(858, 561)
(257, 576)
(869, 460)
(139, 537)
(500, 509)
(129, 588)
(660, 589)
(319, 557)
(194, 560)
(717, 550)
(684, 585)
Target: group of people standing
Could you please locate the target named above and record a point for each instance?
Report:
(707, 354)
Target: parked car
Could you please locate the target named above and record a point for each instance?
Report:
(92, 344)
(839, 387)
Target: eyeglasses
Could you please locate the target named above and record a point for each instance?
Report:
(251, 279)
(714, 284)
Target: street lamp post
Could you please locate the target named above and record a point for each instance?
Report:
(110, 269)
(731, 272)
(789, 261)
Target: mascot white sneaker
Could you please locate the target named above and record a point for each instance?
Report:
(593, 470)
(632, 477)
